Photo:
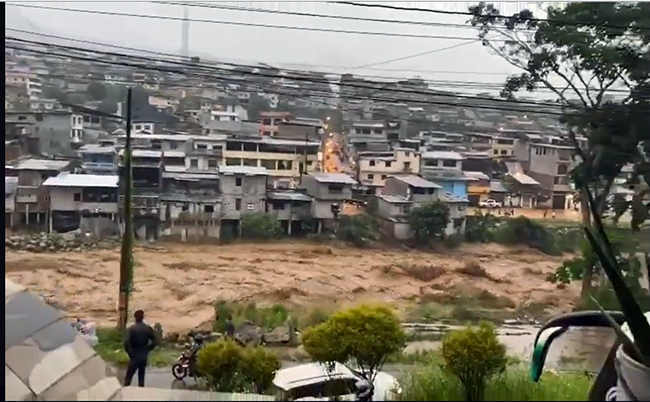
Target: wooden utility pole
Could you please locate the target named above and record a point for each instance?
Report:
(126, 257)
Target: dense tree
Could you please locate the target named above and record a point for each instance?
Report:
(593, 58)
(97, 91)
(189, 103)
(107, 106)
(429, 221)
(365, 334)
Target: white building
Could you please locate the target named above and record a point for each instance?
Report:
(376, 167)
(77, 196)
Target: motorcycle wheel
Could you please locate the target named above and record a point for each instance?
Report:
(179, 371)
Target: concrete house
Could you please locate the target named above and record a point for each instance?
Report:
(84, 201)
(32, 204)
(376, 167)
(328, 192)
(243, 190)
(190, 204)
(446, 169)
(99, 159)
(290, 207)
(549, 165)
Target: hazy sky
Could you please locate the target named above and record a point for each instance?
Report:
(250, 45)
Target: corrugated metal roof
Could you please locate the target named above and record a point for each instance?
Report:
(82, 180)
(393, 199)
(145, 153)
(289, 196)
(417, 181)
(450, 155)
(191, 175)
(477, 175)
(524, 179)
(245, 170)
(497, 187)
(97, 149)
(333, 178)
(39, 164)
(174, 154)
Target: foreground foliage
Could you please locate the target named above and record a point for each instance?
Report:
(474, 356)
(366, 335)
(429, 221)
(228, 367)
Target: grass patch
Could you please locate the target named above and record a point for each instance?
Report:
(111, 349)
(432, 384)
(428, 357)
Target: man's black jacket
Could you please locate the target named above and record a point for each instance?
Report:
(140, 340)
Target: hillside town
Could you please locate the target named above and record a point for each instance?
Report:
(242, 224)
(206, 153)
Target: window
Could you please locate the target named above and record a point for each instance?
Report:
(278, 206)
(39, 117)
(212, 163)
(156, 144)
(138, 126)
(173, 145)
(208, 208)
(388, 163)
(407, 154)
(267, 133)
(384, 177)
(371, 176)
(185, 207)
(504, 152)
(201, 146)
(238, 204)
(250, 206)
(335, 188)
(562, 169)
(448, 163)
(371, 163)
(238, 181)
(76, 197)
(233, 162)
(194, 163)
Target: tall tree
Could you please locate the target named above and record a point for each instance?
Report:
(593, 58)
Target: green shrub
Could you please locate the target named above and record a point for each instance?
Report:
(228, 367)
(474, 356)
(259, 225)
(433, 384)
(524, 231)
(480, 227)
(264, 317)
(358, 229)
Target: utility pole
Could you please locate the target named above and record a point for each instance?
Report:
(126, 257)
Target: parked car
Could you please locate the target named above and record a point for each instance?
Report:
(314, 382)
(490, 203)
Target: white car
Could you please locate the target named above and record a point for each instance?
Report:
(490, 203)
(313, 382)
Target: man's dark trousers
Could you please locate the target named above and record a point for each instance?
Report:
(139, 364)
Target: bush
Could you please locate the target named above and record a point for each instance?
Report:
(259, 225)
(264, 317)
(433, 384)
(429, 221)
(480, 227)
(474, 356)
(365, 334)
(523, 231)
(228, 367)
(358, 229)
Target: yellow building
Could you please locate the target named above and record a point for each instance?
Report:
(284, 159)
(502, 147)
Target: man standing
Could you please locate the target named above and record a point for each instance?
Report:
(140, 340)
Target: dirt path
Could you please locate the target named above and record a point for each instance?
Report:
(177, 284)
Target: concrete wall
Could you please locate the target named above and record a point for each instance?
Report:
(53, 132)
(386, 209)
(321, 191)
(457, 188)
(99, 226)
(62, 199)
(252, 194)
(322, 209)
(295, 210)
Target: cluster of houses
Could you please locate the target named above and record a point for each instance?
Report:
(201, 161)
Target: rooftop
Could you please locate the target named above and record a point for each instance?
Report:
(394, 199)
(288, 196)
(417, 181)
(245, 170)
(477, 175)
(39, 164)
(97, 149)
(333, 178)
(82, 180)
(449, 155)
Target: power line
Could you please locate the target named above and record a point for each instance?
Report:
(245, 24)
(378, 86)
(413, 101)
(414, 55)
(601, 24)
(466, 84)
(314, 15)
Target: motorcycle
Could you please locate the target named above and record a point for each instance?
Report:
(183, 367)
